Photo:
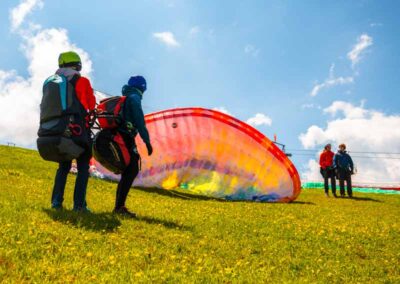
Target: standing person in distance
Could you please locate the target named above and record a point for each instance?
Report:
(345, 168)
(327, 169)
(133, 123)
(70, 66)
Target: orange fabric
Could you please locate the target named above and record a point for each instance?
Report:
(211, 153)
(326, 159)
(84, 92)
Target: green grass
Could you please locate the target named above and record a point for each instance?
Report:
(181, 238)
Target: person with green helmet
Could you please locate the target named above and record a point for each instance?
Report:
(70, 65)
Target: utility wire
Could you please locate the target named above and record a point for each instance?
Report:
(151, 109)
(353, 156)
(355, 152)
(146, 107)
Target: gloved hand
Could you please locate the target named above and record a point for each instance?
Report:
(149, 149)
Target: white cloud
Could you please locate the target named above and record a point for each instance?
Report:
(259, 119)
(372, 25)
(251, 50)
(347, 109)
(315, 136)
(328, 83)
(194, 30)
(362, 130)
(21, 96)
(331, 82)
(19, 13)
(363, 42)
(310, 106)
(167, 38)
(170, 4)
(222, 109)
(355, 55)
(312, 171)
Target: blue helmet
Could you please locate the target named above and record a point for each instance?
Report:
(138, 82)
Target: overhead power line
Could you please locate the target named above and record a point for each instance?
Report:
(355, 152)
(353, 156)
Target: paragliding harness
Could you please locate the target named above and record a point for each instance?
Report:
(109, 112)
(109, 147)
(62, 134)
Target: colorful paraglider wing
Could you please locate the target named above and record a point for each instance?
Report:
(210, 153)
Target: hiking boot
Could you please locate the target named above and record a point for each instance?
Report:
(83, 210)
(123, 211)
(334, 195)
(326, 194)
(57, 208)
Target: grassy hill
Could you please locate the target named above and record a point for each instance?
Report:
(183, 238)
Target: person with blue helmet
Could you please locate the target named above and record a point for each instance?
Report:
(134, 123)
(345, 168)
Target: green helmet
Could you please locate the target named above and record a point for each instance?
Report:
(70, 59)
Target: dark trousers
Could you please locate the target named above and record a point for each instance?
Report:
(57, 197)
(345, 176)
(127, 178)
(329, 174)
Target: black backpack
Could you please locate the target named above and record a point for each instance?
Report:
(62, 133)
(110, 150)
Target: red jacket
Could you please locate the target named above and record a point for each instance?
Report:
(84, 92)
(326, 159)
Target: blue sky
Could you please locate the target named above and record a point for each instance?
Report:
(247, 57)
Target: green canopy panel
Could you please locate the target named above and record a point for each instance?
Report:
(320, 185)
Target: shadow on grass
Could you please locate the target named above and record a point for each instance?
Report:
(191, 196)
(178, 194)
(103, 222)
(302, 202)
(165, 223)
(364, 199)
